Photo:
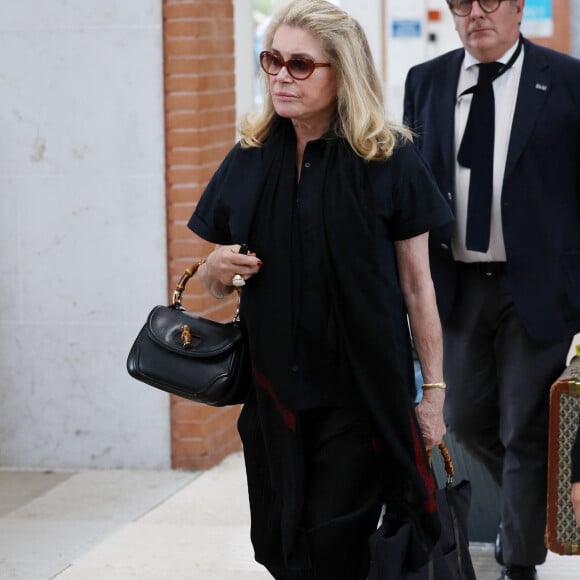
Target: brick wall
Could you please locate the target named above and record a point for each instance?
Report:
(200, 130)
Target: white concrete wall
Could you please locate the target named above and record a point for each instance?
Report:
(575, 16)
(244, 47)
(82, 231)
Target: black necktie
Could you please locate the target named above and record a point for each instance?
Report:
(476, 152)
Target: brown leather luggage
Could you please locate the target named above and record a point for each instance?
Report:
(562, 531)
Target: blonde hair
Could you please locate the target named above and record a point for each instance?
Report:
(360, 114)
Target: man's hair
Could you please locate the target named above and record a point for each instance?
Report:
(360, 114)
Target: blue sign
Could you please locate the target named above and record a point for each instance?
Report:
(538, 10)
(538, 20)
(406, 28)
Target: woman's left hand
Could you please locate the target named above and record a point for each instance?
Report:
(430, 416)
(419, 294)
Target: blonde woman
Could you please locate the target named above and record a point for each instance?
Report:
(335, 206)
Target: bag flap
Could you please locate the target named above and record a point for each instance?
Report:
(208, 338)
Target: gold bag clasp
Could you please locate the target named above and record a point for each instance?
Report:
(186, 336)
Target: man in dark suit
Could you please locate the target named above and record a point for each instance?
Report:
(508, 278)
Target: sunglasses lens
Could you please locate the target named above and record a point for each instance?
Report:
(300, 68)
(270, 63)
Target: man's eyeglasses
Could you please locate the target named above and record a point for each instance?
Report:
(463, 7)
(299, 68)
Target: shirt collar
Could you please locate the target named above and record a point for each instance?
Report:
(469, 61)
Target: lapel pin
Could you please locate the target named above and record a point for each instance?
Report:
(541, 87)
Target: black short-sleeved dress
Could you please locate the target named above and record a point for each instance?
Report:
(313, 394)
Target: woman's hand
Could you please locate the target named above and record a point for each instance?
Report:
(419, 295)
(220, 267)
(430, 416)
(576, 500)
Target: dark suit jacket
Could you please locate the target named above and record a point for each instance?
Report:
(541, 190)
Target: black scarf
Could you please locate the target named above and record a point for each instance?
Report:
(366, 329)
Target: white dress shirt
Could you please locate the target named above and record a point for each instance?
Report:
(505, 90)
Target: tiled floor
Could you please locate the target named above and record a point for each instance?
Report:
(147, 525)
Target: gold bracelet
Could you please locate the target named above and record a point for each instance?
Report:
(434, 386)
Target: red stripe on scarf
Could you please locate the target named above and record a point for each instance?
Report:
(288, 417)
(424, 470)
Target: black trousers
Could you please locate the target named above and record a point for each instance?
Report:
(314, 491)
(497, 404)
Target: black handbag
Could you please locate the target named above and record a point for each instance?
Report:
(190, 356)
(450, 558)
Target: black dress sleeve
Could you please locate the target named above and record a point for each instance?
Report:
(209, 220)
(224, 213)
(417, 204)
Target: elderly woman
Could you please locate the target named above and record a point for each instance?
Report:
(335, 206)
